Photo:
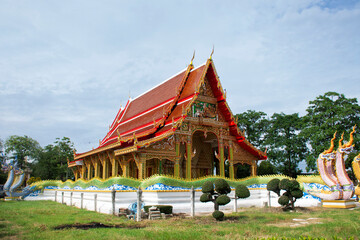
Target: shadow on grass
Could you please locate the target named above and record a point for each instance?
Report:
(235, 218)
(86, 226)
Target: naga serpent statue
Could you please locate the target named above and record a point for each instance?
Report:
(356, 169)
(331, 165)
(16, 177)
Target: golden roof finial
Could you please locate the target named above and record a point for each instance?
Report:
(135, 139)
(341, 139)
(191, 62)
(331, 145)
(351, 140)
(212, 52)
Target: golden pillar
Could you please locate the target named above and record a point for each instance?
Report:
(83, 170)
(124, 167)
(222, 159)
(188, 158)
(177, 168)
(97, 169)
(253, 168)
(89, 176)
(177, 161)
(231, 161)
(105, 168)
(114, 167)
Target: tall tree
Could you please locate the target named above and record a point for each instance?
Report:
(52, 161)
(326, 114)
(254, 124)
(286, 148)
(266, 168)
(1, 149)
(22, 147)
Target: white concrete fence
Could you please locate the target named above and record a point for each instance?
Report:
(183, 201)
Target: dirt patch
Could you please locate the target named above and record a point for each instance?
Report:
(298, 222)
(86, 226)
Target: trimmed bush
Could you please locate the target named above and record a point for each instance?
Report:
(284, 184)
(297, 193)
(292, 191)
(283, 200)
(205, 197)
(218, 195)
(241, 191)
(273, 185)
(208, 187)
(167, 209)
(293, 184)
(222, 186)
(218, 215)
(222, 200)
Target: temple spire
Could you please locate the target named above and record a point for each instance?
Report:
(212, 52)
(191, 62)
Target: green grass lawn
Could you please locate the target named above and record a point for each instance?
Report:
(37, 220)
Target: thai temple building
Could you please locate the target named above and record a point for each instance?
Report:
(182, 127)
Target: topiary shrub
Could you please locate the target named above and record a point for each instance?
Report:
(284, 184)
(273, 185)
(216, 192)
(241, 191)
(292, 191)
(223, 200)
(167, 209)
(208, 187)
(218, 215)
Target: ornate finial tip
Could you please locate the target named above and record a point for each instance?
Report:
(192, 59)
(212, 52)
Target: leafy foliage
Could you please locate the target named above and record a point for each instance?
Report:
(266, 168)
(22, 148)
(218, 197)
(218, 215)
(52, 160)
(254, 124)
(286, 147)
(326, 114)
(167, 209)
(273, 185)
(33, 180)
(241, 191)
(292, 191)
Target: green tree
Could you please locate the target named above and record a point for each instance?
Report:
(254, 124)
(21, 148)
(286, 148)
(266, 168)
(326, 114)
(52, 161)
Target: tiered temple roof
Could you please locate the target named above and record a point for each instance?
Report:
(159, 112)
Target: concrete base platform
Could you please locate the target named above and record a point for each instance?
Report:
(338, 203)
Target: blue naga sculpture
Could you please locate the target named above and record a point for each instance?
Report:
(16, 177)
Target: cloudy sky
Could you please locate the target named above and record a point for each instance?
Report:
(67, 66)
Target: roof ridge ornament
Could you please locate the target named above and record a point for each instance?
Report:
(191, 62)
(212, 52)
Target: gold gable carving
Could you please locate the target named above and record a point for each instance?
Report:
(165, 144)
(205, 89)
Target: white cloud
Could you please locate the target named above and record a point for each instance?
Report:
(68, 66)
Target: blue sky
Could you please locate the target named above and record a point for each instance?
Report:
(66, 66)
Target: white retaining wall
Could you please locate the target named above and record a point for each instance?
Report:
(180, 200)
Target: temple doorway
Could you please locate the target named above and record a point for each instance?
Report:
(205, 147)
